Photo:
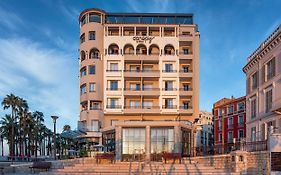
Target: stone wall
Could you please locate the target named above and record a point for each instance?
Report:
(245, 163)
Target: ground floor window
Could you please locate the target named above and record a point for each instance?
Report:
(186, 142)
(109, 141)
(162, 140)
(133, 141)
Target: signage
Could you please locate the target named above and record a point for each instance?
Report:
(143, 39)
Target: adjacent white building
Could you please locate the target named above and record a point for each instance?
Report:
(205, 129)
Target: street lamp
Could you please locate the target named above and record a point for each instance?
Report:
(55, 120)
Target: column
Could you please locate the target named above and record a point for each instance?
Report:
(178, 139)
(147, 143)
(118, 144)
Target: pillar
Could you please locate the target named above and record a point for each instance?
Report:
(147, 143)
(118, 143)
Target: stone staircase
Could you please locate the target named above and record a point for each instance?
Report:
(89, 167)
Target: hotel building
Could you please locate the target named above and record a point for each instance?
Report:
(263, 71)
(205, 129)
(139, 82)
(229, 120)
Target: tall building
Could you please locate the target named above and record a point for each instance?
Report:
(139, 81)
(205, 129)
(263, 71)
(229, 120)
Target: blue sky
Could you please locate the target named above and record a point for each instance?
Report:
(39, 42)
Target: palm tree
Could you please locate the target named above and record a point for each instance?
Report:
(13, 102)
(23, 111)
(66, 128)
(38, 118)
(7, 125)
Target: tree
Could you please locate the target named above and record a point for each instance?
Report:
(13, 102)
(38, 118)
(66, 128)
(7, 125)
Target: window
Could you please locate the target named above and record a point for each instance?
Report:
(268, 100)
(95, 125)
(147, 104)
(185, 51)
(135, 87)
(113, 85)
(83, 72)
(230, 136)
(240, 120)
(168, 85)
(168, 67)
(83, 20)
(253, 134)
(230, 109)
(220, 137)
(240, 134)
(253, 108)
(147, 87)
(185, 87)
(162, 140)
(94, 105)
(220, 112)
(83, 89)
(254, 81)
(113, 122)
(185, 105)
(82, 38)
(185, 69)
(230, 122)
(169, 103)
(135, 104)
(113, 67)
(95, 18)
(269, 69)
(133, 140)
(92, 69)
(220, 124)
(240, 106)
(92, 35)
(92, 87)
(113, 103)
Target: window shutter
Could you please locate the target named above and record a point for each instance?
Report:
(273, 67)
(263, 73)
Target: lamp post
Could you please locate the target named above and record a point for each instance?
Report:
(55, 120)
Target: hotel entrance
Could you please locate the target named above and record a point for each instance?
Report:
(140, 141)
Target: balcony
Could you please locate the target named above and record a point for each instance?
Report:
(138, 57)
(276, 106)
(114, 73)
(169, 107)
(184, 73)
(186, 109)
(186, 56)
(144, 91)
(141, 73)
(142, 109)
(186, 92)
(187, 37)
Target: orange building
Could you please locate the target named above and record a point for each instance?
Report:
(139, 81)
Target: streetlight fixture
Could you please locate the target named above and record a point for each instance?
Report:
(55, 121)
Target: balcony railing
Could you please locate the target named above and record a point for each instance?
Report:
(113, 106)
(169, 71)
(185, 71)
(185, 89)
(113, 89)
(169, 89)
(169, 107)
(141, 70)
(141, 107)
(241, 124)
(108, 70)
(185, 107)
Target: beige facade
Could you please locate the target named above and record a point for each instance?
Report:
(263, 99)
(137, 69)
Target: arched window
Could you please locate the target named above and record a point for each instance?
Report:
(82, 56)
(94, 53)
(113, 49)
(154, 50)
(129, 49)
(141, 49)
(169, 50)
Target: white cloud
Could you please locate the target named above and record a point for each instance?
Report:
(45, 77)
